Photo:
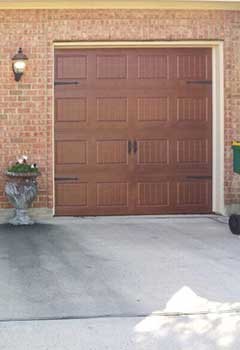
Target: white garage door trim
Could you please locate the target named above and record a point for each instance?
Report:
(217, 100)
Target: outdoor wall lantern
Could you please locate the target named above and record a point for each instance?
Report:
(19, 64)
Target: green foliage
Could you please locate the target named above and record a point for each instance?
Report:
(22, 168)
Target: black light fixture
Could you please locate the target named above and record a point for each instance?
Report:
(19, 64)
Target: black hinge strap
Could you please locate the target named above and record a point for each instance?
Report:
(66, 83)
(199, 81)
(198, 177)
(69, 178)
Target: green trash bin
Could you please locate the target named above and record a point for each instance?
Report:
(234, 219)
(236, 157)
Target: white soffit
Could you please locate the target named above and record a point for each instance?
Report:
(121, 4)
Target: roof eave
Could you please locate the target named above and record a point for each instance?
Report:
(121, 4)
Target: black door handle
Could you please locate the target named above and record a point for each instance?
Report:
(135, 146)
(129, 146)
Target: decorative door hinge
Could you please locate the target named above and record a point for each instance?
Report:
(66, 83)
(199, 177)
(69, 178)
(199, 82)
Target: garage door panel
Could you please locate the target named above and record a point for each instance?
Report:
(153, 151)
(111, 66)
(71, 152)
(153, 66)
(134, 132)
(193, 66)
(192, 152)
(112, 109)
(112, 152)
(71, 67)
(193, 193)
(71, 110)
(72, 194)
(153, 194)
(193, 109)
(112, 194)
(152, 109)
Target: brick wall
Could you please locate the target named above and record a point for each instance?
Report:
(26, 108)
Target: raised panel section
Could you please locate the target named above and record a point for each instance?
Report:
(72, 194)
(112, 109)
(153, 67)
(191, 193)
(111, 67)
(112, 194)
(192, 109)
(112, 152)
(72, 67)
(153, 109)
(192, 151)
(192, 67)
(71, 152)
(71, 110)
(153, 194)
(153, 151)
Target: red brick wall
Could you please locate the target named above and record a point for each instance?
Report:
(26, 108)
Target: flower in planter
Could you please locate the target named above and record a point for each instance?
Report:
(22, 166)
(19, 161)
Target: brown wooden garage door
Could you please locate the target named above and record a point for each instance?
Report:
(133, 131)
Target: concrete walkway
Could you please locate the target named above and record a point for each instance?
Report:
(120, 283)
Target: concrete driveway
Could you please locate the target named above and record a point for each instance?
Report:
(120, 283)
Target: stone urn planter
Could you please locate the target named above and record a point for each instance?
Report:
(21, 190)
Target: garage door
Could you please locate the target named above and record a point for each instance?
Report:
(133, 131)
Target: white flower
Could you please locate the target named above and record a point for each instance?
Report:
(20, 160)
(32, 166)
(24, 157)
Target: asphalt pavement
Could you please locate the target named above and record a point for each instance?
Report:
(120, 283)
